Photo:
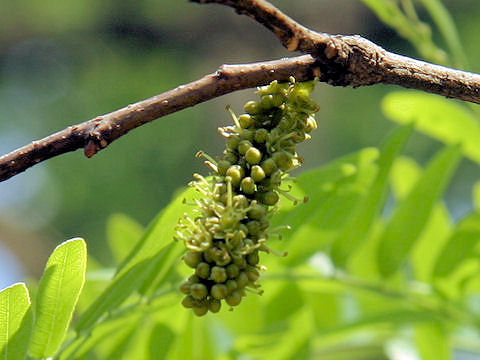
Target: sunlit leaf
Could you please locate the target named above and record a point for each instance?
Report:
(364, 214)
(15, 322)
(160, 342)
(412, 214)
(58, 293)
(446, 25)
(105, 334)
(433, 342)
(405, 173)
(286, 302)
(196, 341)
(326, 308)
(123, 338)
(156, 249)
(333, 190)
(121, 288)
(417, 33)
(122, 234)
(460, 246)
(476, 195)
(435, 116)
(160, 232)
(293, 342)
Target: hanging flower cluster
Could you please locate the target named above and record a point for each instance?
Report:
(232, 219)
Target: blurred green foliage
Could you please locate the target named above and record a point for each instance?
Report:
(383, 260)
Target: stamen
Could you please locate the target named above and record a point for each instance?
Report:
(206, 156)
(234, 117)
(268, 250)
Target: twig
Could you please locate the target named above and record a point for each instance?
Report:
(355, 61)
(335, 59)
(98, 133)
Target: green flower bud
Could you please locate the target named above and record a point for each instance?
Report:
(222, 167)
(200, 310)
(253, 258)
(192, 258)
(240, 262)
(242, 280)
(264, 223)
(268, 198)
(283, 160)
(247, 134)
(243, 146)
(267, 102)
(269, 166)
(222, 258)
(253, 227)
(245, 120)
(203, 270)
(234, 298)
(214, 305)
(231, 286)
(286, 124)
(261, 135)
(188, 302)
(240, 201)
(257, 212)
(185, 287)
(199, 291)
(252, 107)
(193, 279)
(233, 271)
(219, 291)
(232, 142)
(253, 156)
(218, 274)
(257, 173)
(236, 174)
(253, 274)
(238, 236)
(277, 100)
(247, 185)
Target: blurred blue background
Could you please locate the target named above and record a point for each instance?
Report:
(64, 62)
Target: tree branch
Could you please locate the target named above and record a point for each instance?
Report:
(98, 133)
(355, 61)
(335, 59)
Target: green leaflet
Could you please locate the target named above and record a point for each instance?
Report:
(405, 173)
(278, 310)
(446, 25)
(437, 117)
(411, 215)
(154, 250)
(120, 289)
(160, 341)
(106, 334)
(332, 190)
(15, 322)
(58, 292)
(122, 234)
(476, 195)
(196, 342)
(460, 246)
(433, 342)
(412, 30)
(357, 228)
